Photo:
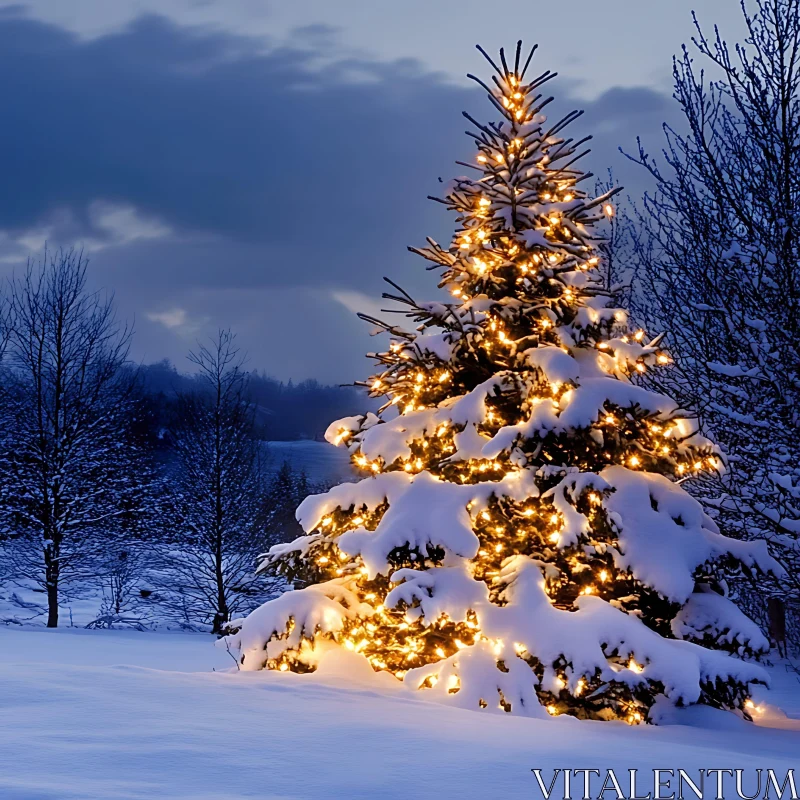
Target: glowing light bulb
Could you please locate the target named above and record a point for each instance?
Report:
(608, 210)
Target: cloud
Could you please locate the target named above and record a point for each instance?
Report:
(196, 165)
(359, 303)
(173, 318)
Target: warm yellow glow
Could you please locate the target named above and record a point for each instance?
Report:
(608, 210)
(639, 335)
(603, 575)
(283, 667)
(551, 710)
(634, 461)
(634, 667)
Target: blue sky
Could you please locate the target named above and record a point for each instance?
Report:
(262, 165)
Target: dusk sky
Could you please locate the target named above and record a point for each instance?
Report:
(261, 165)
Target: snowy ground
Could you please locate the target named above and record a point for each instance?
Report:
(320, 461)
(113, 714)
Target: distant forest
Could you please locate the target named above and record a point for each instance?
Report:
(284, 412)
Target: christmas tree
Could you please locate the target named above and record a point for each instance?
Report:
(520, 540)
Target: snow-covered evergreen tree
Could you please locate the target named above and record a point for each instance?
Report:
(520, 540)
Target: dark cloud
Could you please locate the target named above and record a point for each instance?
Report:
(268, 168)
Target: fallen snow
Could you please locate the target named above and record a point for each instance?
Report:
(111, 715)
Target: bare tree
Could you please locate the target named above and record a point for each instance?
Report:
(70, 472)
(718, 251)
(218, 491)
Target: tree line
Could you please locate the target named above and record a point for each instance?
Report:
(163, 498)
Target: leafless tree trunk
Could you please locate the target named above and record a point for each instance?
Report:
(718, 251)
(68, 464)
(218, 489)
